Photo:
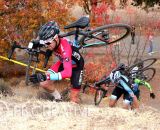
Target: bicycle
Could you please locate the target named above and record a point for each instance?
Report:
(33, 53)
(102, 86)
(145, 72)
(101, 89)
(99, 37)
(145, 63)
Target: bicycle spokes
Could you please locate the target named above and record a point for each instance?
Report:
(105, 35)
(148, 74)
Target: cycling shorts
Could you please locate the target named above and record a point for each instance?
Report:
(118, 92)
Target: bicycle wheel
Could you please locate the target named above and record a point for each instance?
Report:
(145, 63)
(105, 35)
(99, 95)
(147, 74)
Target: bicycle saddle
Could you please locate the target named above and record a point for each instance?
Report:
(80, 23)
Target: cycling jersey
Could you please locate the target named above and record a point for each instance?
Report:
(121, 80)
(134, 70)
(69, 65)
(64, 53)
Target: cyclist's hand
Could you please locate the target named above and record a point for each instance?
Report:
(152, 95)
(96, 84)
(36, 78)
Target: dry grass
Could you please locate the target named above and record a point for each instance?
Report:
(5, 89)
(25, 111)
(32, 114)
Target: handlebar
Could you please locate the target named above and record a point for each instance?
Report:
(103, 81)
(31, 50)
(14, 46)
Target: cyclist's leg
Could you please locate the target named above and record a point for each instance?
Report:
(116, 94)
(48, 85)
(77, 75)
(127, 100)
(128, 89)
(76, 81)
(137, 94)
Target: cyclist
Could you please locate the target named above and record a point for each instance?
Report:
(70, 63)
(117, 76)
(137, 82)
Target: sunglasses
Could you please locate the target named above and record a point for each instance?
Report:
(48, 41)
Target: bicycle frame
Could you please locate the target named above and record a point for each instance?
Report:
(77, 42)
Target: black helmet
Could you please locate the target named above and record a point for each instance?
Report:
(121, 66)
(48, 30)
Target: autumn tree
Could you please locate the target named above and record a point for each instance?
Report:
(21, 19)
(145, 3)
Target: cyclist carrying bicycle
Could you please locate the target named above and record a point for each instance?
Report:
(123, 87)
(136, 82)
(70, 63)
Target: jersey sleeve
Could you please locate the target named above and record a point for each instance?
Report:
(67, 61)
(147, 85)
(142, 82)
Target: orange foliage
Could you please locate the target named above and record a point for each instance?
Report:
(20, 20)
(99, 67)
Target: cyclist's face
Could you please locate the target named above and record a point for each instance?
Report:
(53, 43)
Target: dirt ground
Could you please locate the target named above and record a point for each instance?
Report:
(24, 111)
(27, 113)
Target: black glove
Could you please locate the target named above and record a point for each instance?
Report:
(36, 78)
(152, 95)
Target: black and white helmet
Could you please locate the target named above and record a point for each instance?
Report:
(48, 30)
(121, 66)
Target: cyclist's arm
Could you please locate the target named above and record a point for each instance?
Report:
(142, 82)
(126, 86)
(67, 61)
(104, 80)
